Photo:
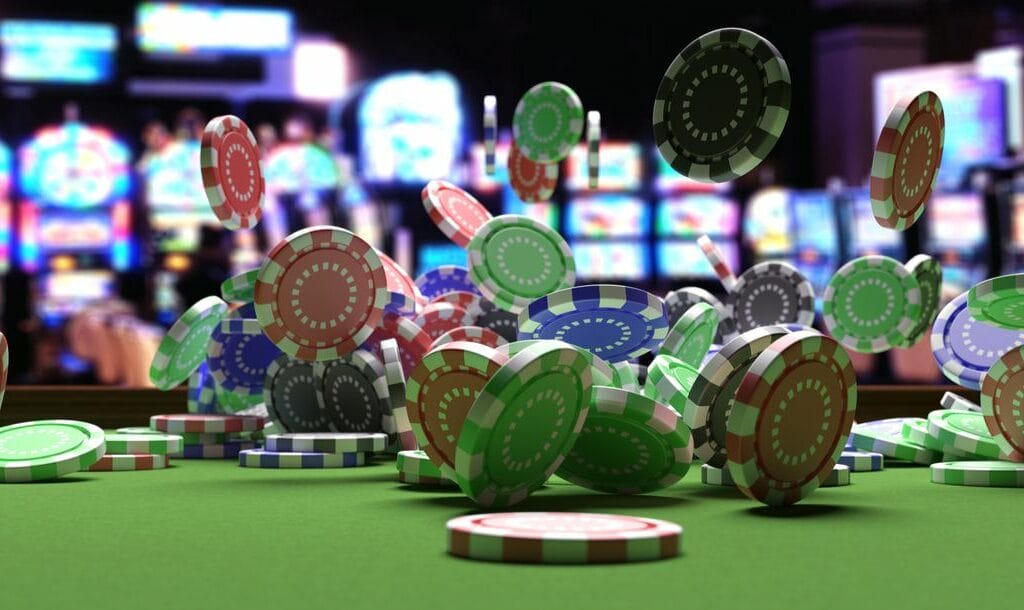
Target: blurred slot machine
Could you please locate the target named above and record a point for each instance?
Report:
(1014, 257)
(862, 235)
(685, 210)
(956, 233)
(74, 217)
(6, 172)
(608, 228)
(302, 189)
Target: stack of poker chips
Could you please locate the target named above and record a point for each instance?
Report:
(209, 436)
(138, 449)
(315, 450)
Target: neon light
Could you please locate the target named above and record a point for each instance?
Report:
(186, 29)
(28, 229)
(121, 245)
(319, 70)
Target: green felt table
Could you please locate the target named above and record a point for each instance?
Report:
(209, 534)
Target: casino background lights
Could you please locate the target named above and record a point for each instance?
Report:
(352, 124)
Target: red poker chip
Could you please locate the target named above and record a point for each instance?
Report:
(531, 181)
(457, 213)
(405, 295)
(438, 318)
(178, 423)
(320, 293)
(413, 341)
(229, 159)
(473, 334)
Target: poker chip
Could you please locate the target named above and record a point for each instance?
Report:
(968, 432)
(265, 458)
(718, 262)
(405, 297)
(415, 468)
(791, 417)
(473, 334)
(722, 105)
(915, 430)
(395, 378)
(413, 342)
(625, 376)
(629, 444)
(839, 477)
(239, 287)
(978, 474)
(602, 372)
(562, 537)
(770, 293)
(670, 380)
(965, 348)
(872, 304)
(1001, 392)
(241, 326)
(490, 132)
(440, 392)
(353, 392)
(711, 396)
(219, 438)
(289, 392)
(233, 402)
(514, 260)
(111, 462)
(928, 273)
(320, 293)
(531, 181)
(201, 396)
(223, 451)
(238, 361)
(548, 122)
(232, 172)
(183, 347)
(48, 449)
(999, 301)
(680, 300)
(159, 444)
(614, 322)
(178, 423)
(709, 475)
(956, 402)
(525, 420)
(138, 430)
(503, 322)
(457, 213)
(906, 160)
(438, 318)
(470, 301)
(885, 436)
(445, 279)
(593, 148)
(692, 334)
(327, 442)
(862, 461)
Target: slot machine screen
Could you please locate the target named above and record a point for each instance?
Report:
(684, 258)
(669, 180)
(607, 216)
(816, 236)
(957, 235)
(431, 255)
(67, 292)
(544, 212)
(766, 225)
(693, 215)
(866, 236)
(58, 52)
(619, 167)
(625, 260)
(81, 231)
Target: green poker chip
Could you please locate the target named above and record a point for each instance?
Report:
(692, 335)
(48, 449)
(999, 301)
(872, 304)
(602, 371)
(625, 377)
(629, 444)
(885, 436)
(670, 381)
(239, 288)
(979, 474)
(839, 477)
(183, 348)
(515, 260)
(722, 105)
(523, 423)
(548, 122)
(928, 273)
(415, 468)
(963, 431)
(155, 444)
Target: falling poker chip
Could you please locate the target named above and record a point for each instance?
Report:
(999, 301)
(722, 105)
(771, 293)
(548, 122)
(232, 173)
(928, 273)
(872, 304)
(965, 348)
(679, 300)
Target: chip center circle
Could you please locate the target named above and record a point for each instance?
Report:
(239, 170)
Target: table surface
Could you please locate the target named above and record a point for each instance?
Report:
(209, 534)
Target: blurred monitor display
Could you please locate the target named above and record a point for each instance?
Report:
(695, 214)
(57, 52)
(669, 180)
(766, 223)
(171, 28)
(173, 179)
(620, 167)
(431, 255)
(478, 179)
(81, 231)
(74, 166)
(866, 235)
(607, 215)
(626, 260)
(300, 168)
(814, 214)
(956, 219)
(64, 293)
(410, 128)
(177, 230)
(545, 213)
(685, 259)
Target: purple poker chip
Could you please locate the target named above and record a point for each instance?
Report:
(445, 279)
(965, 348)
(238, 361)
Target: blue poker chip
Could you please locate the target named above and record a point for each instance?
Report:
(262, 458)
(965, 348)
(614, 322)
(445, 279)
(217, 451)
(202, 391)
(862, 461)
(238, 361)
